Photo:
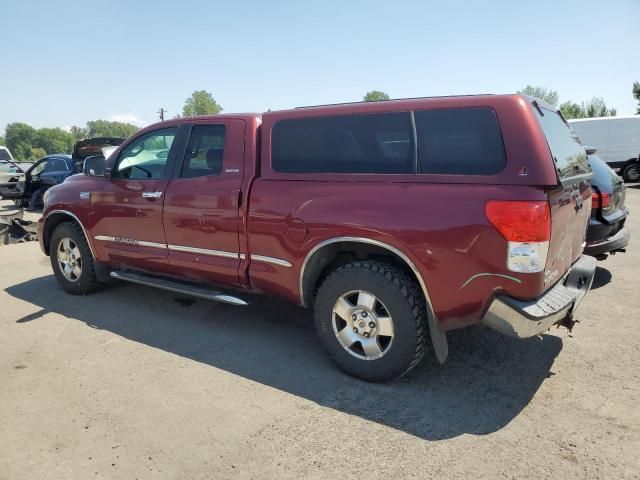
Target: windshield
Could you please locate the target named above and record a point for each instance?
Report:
(4, 154)
(566, 149)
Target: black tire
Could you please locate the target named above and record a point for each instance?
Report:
(399, 295)
(631, 172)
(19, 203)
(87, 281)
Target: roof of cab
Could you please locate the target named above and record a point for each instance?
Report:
(204, 119)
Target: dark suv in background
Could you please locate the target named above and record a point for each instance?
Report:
(606, 232)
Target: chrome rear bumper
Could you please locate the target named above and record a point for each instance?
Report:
(523, 319)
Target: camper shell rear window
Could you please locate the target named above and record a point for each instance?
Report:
(568, 154)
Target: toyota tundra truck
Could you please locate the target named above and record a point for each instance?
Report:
(394, 221)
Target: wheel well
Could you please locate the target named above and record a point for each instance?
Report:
(50, 225)
(329, 257)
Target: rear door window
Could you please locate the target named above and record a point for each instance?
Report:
(56, 165)
(374, 143)
(463, 141)
(568, 153)
(205, 151)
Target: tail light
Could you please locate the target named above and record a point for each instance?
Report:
(526, 225)
(600, 200)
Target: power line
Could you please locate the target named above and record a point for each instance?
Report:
(161, 112)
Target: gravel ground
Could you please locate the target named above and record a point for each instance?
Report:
(132, 382)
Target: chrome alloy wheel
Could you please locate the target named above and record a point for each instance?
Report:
(362, 325)
(69, 259)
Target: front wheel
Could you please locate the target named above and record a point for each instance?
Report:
(370, 319)
(71, 260)
(631, 172)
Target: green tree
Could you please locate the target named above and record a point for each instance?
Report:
(543, 93)
(636, 95)
(596, 107)
(571, 109)
(20, 138)
(200, 102)
(54, 140)
(34, 153)
(375, 96)
(2, 141)
(79, 133)
(105, 128)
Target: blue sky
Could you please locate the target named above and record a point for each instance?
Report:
(66, 62)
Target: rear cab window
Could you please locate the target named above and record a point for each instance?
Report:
(568, 154)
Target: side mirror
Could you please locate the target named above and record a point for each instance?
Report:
(94, 166)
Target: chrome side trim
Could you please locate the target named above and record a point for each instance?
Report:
(438, 338)
(205, 251)
(66, 212)
(487, 274)
(275, 261)
(130, 241)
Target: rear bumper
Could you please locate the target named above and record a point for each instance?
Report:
(523, 319)
(609, 244)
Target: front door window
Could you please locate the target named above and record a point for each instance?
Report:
(146, 157)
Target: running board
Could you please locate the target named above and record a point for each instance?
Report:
(177, 287)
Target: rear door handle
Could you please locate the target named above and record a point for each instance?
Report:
(151, 194)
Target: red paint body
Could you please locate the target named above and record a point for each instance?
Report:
(437, 221)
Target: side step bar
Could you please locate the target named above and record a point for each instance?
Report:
(177, 287)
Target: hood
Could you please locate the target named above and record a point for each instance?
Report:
(93, 146)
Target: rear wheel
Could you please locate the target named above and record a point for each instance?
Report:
(370, 320)
(631, 172)
(71, 260)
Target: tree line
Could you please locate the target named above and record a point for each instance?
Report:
(596, 107)
(28, 143)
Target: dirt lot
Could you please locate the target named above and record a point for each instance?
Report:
(133, 382)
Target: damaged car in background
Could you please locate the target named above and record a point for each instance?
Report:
(27, 188)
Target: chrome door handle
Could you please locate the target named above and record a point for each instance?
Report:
(151, 194)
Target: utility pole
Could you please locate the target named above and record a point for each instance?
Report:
(161, 112)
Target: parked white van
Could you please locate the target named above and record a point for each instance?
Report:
(617, 140)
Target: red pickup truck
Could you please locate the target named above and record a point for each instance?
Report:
(395, 221)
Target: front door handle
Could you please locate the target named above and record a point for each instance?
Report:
(151, 194)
